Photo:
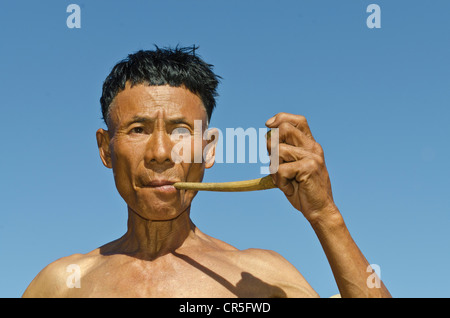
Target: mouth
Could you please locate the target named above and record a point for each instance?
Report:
(161, 185)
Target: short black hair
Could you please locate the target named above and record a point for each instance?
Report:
(179, 66)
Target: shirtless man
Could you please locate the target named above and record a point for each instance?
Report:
(147, 98)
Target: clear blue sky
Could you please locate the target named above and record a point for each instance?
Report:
(376, 99)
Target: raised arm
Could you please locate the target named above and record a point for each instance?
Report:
(303, 178)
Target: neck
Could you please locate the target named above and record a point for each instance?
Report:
(150, 239)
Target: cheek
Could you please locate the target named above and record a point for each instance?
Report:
(123, 184)
(122, 165)
(193, 172)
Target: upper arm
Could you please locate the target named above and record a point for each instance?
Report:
(45, 284)
(50, 281)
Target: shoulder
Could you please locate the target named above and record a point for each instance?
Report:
(55, 279)
(265, 260)
(276, 270)
(266, 265)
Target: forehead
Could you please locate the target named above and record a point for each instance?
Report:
(156, 102)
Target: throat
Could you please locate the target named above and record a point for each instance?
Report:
(149, 239)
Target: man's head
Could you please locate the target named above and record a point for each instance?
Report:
(147, 100)
(174, 67)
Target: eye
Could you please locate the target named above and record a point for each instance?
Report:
(137, 130)
(180, 132)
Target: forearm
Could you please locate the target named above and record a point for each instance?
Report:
(348, 264)
(303, 178)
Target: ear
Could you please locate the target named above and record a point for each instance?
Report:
(103, 147)
(209, 153)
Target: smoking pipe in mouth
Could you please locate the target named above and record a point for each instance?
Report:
(234, 186)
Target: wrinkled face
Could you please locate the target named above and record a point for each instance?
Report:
(142, 123)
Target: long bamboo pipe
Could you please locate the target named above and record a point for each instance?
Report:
(234, 186)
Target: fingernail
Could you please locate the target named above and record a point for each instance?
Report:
(270, 121)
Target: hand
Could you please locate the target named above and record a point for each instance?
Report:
(301, 174)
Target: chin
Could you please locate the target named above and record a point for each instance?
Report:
(159, 211)
(156, 206)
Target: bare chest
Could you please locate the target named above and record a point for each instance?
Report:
(174, 277)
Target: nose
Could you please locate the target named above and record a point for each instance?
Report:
(158, 153)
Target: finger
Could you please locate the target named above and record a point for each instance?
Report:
(290, 135)
(298, 121)
(288, 153)
(284, 178)
(290, 174)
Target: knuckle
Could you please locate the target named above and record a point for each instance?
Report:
(320, 161)
(285, 127)
(302, 119)
(311, 164)
(318, 149)
(282, 172)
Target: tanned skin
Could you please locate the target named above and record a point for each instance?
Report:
(163, 254)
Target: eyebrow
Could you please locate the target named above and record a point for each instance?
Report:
(141, 119)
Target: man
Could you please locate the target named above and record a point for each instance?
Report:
(147, 99)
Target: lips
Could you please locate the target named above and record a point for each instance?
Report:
(160, 185)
